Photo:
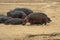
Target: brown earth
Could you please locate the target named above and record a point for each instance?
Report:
(20, 32)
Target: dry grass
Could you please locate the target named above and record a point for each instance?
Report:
(19, 32)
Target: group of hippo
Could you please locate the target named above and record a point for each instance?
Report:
(23, 16)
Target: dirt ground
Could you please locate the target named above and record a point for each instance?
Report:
(20, 32)
(27, 1)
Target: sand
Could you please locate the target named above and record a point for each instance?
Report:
(20, 32)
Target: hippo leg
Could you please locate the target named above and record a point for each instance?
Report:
(41, 23)
(45, 22)
(23, 23)
(6, 23)
(32, 23)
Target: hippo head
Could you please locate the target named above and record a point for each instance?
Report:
(26, 19)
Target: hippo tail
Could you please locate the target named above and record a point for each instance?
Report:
(49, 20)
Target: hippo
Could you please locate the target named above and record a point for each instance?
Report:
(25, 10)
(37, 18)
(16, 14)
(15, 21)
